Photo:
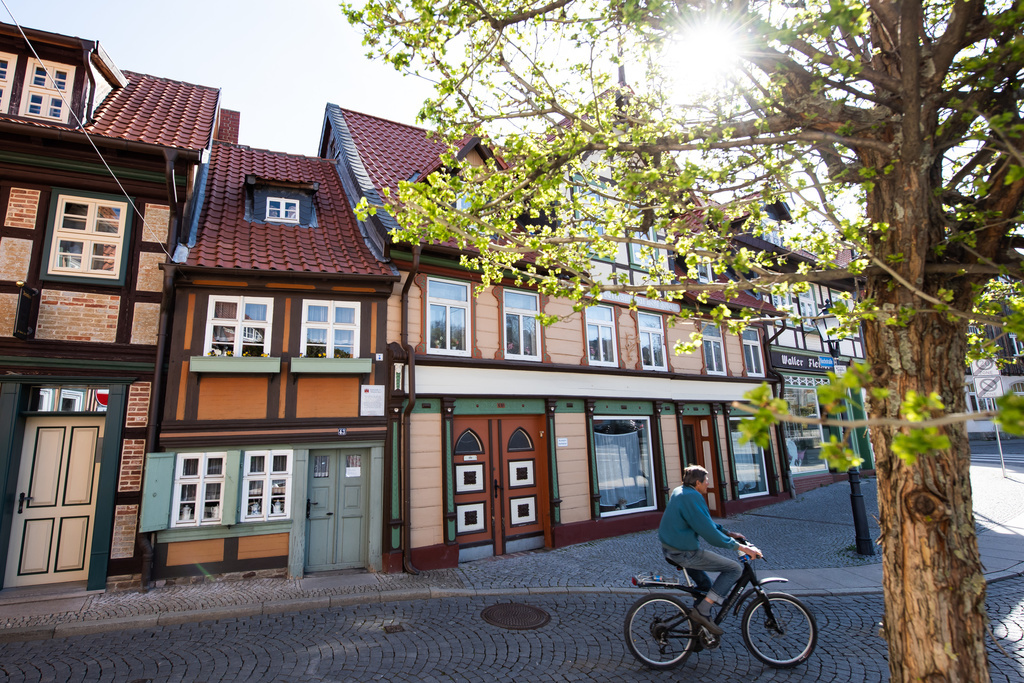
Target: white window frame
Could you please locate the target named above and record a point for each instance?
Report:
(646, 466)
(751, 339)
(189, 511)
(807, 307)
(605, 330)
(525, 317)
(283, 211)
(89, 237)
(705, 273)
(713, 347)
(437, 302)
(50, 93)
(7, 79)
(975, 404)
(266, 488)
(239, 322)
(652, 336)
(331, 326)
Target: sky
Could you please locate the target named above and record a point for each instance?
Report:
(278, 62)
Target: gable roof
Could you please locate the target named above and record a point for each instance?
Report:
(226, 239)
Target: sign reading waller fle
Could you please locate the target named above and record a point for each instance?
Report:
(792, 361)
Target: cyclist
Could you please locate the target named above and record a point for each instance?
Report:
(685, 521)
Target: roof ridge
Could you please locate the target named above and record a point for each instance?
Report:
(381, 118)
(130, 73)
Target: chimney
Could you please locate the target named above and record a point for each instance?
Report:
(227, 126)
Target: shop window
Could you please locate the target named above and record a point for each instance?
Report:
(751, 476)
(267, 485)
(652, 342)
(625, 465)
(448, 317)
(522, 332)
(601, 336)
(803, 441)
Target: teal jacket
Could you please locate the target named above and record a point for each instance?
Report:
(686, 519)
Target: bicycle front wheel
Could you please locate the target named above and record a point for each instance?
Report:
(658, 631)
(779, 630)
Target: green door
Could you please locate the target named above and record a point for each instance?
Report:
(337, 514)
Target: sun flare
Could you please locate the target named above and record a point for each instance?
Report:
(700, 59)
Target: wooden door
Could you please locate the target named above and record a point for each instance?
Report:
(699, 449)
(336, 510)
(55, 501)
(501, 483)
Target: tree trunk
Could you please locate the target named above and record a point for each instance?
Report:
(935, 620)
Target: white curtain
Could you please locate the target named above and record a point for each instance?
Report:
(620, 470)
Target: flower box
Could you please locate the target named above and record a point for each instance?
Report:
(331, 366)
(233, 364)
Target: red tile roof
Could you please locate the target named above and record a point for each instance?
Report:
(227, 240)
(391, 151)
(151, 110)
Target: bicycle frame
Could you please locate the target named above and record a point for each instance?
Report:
(737, 597)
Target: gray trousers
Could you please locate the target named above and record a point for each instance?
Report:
(705, 560)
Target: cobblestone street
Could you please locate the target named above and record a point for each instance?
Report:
(446, 640)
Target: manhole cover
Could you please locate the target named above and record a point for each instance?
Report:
(515, 616)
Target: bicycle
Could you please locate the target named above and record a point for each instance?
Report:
(777, 628)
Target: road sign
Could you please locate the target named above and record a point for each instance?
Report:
(986, 367)
(988, 387)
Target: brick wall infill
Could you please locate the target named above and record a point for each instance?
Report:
(22, 208)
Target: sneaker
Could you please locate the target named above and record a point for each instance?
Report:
(704, 622)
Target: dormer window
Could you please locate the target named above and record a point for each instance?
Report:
(7, 64)
(46, 89)
(704, 273)
(280, 210)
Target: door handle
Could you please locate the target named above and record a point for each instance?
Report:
(497, 487)
(328, 514)
(22, 499)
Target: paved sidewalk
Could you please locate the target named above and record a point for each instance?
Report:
(808, 540)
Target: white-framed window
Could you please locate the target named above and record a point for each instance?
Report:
(522, 332)
(47, 86)
(198, 489)
(281, 210)
(652, 342)
(784, 303)
(808, 308)
(88, 237)
(752, 353)
(8, 63)
(330, 329)
(704, 272)
(266, 485)
(625, 465)
(643, 256)
(714, 352)
(601, 336)
(448, 317)
(238, 326)
(975, 404)
(1016, 345)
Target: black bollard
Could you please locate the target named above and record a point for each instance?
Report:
(860, 517)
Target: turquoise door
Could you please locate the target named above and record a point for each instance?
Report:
(337, 514)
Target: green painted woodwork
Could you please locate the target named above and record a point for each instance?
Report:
(331, 366)
(449, 480)
(157, 492)
(11, 435)
(623, 408)
(595, 505)
(204, 533)
(556, 511)
(519, 406)
(396, 490)
(426, 405)
(123, 172)
(695, 409)
(231, 364)
(117, 406)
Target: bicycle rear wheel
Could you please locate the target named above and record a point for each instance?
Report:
(779, 630)
(658, 631)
